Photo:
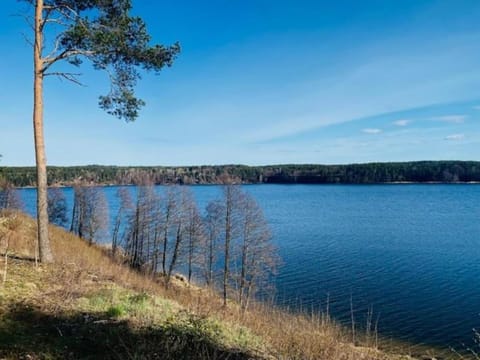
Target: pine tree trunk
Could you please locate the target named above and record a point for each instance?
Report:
(41, 162)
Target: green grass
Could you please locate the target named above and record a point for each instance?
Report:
(141, 308)
(28, 332)
(119, 302)
(107, 321)
(115, 311)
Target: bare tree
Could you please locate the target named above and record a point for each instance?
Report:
(249, 258)
(9, 196)
(168, 215)
(90, 213)
(194, 231)
(124, 212)
(144, 229)
(213, 223)
(157, 233)
(96, 214)
(233, 230)
(132, 238)
(79, 203)
(57, 207)
(8, 227)
(138, 235)
(147, 204)
(231, 198)
(179, 224)
(258, 258)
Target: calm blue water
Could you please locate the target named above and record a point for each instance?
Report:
(412, 252)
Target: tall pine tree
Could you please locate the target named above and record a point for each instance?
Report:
(104, 33)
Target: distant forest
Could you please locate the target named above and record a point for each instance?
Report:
(370, 173)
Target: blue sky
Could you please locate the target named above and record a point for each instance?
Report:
(267, 82)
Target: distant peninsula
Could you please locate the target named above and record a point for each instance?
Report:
(367, 173)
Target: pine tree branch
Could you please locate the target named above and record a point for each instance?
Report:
(50, 60)
(68, 76)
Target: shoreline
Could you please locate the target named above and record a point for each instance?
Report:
(270, 183)
(409, 172)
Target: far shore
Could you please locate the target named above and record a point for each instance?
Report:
(410, 172)
(219, 184)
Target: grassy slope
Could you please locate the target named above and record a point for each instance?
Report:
(87, 306)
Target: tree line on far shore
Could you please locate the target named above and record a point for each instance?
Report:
(228, 247)
(370, 173)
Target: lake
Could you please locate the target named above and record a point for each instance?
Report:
(410, 252)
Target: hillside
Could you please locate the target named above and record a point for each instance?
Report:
(369, 173)
(87, 306)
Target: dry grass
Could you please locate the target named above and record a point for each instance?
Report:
(84, 280)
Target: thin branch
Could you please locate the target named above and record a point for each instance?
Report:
(46, 17)
(55, 21)
(49, 60)
(55, 48)
(74, 16)
(67, 12)
(67, 76)
(27, 40)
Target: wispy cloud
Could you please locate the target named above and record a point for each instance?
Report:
(455, 137)
(402, 122)
(454, 119)
(372, 131)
